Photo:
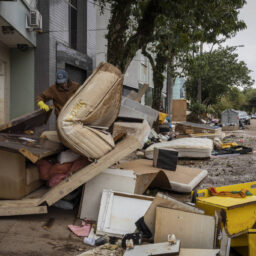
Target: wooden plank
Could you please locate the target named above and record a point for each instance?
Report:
(179, 110)
(26, 122)
(122, 149)
(162, 200)
(20, 210)
(31, 148)
(141, 92)
(194, 230)
(18, 203)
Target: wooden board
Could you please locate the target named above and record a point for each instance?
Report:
(32, 149)
(179, 110)
(21, 207)
(162, 200)
(194, 230)
(6, 211)
(122, 149)
(26, 122)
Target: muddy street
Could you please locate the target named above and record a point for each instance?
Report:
(232, 169)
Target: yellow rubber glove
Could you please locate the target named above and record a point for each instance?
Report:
(43, 106)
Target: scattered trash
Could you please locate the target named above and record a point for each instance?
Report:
(90, 240)
(187, 147)
(172, 239)
(82, 230)
(129, 240)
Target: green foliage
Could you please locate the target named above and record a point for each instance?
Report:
(134, 24)
(198, 108)
(220, 71)
(234, 99)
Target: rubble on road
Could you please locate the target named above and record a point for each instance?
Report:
(125, 200)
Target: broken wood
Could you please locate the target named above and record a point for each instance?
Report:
(122, 149)
(20, 210)
(26, 122)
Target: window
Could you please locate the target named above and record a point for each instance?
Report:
(73, 24)
(30, 3)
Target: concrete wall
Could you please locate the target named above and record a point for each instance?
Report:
(22, 82)
(91, 31)
(15, 13)
(5, 84)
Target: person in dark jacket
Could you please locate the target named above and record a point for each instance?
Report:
(59, 93)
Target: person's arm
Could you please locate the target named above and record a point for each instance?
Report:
(44, 97)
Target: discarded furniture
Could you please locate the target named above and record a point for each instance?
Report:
(179, 110)
(239, 213)
(187, 147)
(194, 230)
(95, 103)
(115, 179)
(98, 107)
(119, 212)
(184, 179)
(165, 158)
(18, 153)
(165, 201)
(121, 180)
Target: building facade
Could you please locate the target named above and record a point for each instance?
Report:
(17, 52)
(62, 43)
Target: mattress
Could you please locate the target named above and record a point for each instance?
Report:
(186, 147)
(96, 103)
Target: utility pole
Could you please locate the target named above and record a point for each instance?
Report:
(170, 83)
(199, 82)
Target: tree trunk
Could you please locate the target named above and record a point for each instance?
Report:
(170, 84)
(199, 90)
(158, 80)
(120, 50)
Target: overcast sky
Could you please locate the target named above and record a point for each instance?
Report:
(247, 37)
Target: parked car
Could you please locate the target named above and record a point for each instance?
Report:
(253, 116)
(244, 118)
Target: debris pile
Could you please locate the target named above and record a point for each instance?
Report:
(126, 206)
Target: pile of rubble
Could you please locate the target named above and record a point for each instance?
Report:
(125, 205)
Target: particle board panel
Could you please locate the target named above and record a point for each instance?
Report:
(165, 201)
(179, 110)
(194, 230)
